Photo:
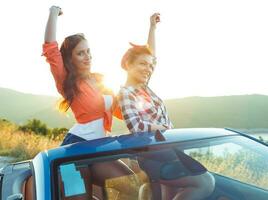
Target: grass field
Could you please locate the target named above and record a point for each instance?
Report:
(21, 145)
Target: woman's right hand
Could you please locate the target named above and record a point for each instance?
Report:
(154, 19)
(56, 9)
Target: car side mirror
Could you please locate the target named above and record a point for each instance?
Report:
(15, 197)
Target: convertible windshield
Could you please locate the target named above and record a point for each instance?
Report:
(133, 173)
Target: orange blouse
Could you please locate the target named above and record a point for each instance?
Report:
(89, 104)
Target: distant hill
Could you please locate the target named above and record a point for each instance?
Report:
(19, 107)
(242, 111)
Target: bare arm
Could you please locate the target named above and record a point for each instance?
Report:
(154, 19)
(50, 33)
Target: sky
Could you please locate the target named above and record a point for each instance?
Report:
(204, 48)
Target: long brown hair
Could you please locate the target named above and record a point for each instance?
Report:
(70, 88)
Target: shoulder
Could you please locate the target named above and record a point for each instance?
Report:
(126, 92)
(98, 77)
(105, 89)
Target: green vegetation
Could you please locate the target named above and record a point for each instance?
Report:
(36, 116)
(35, 126)
(20, 107)
(38, 127)
(25, 141)
(241, 111)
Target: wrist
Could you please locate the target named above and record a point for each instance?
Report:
(153, 26)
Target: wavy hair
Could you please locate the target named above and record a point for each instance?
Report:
(70, 88)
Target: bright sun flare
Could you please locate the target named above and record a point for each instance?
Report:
(114, 82)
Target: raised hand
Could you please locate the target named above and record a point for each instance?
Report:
(154, 19)
(56, 9)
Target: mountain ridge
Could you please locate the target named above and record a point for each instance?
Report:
(236, 111)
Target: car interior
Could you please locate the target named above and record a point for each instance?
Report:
(226, 189)
(96, 184)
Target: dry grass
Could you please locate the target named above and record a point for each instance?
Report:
(23, 146)
(247, 168)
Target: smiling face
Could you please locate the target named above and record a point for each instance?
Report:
(140, 70)
(81, 57)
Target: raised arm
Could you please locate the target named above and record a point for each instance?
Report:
(154, 19)
(50, 33)
(51, 50)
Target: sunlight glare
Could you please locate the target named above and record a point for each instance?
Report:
(113, 82)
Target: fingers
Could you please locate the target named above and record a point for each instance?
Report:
(56, 9)
(60, 13)
(156, 15)
(155, 18)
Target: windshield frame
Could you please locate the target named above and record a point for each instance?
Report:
(181, 145)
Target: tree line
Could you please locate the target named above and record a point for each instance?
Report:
(38, 127)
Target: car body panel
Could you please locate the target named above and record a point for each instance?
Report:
(133, 141)
(43, 165)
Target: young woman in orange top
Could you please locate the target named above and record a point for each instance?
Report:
(83, 92)
(91, 103)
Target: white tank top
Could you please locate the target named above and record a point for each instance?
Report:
(93, 129)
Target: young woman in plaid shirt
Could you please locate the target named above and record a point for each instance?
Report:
(144, 111)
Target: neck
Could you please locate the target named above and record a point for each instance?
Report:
(84, 75)
(132, 82)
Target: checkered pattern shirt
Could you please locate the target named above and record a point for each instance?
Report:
(141, 108)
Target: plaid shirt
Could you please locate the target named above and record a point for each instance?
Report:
(141, 108)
